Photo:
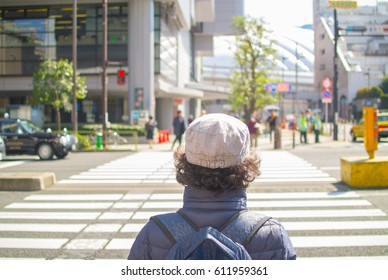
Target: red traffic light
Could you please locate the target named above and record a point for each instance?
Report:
(121, 77)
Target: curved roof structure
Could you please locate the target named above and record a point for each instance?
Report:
(293, 46)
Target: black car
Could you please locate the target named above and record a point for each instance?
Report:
(22, 136)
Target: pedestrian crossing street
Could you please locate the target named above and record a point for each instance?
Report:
(104, 226)
(158, 167)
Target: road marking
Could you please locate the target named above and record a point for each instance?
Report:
(63, 205)
(43, 227)
(11, 164)
(339, 241)
(296, 195)
(145, 215)
(330, 225)
(285, 180)
(32, 243)
(268, 204)
(103, 228)
(125, 215)
(75, 197)
(50, 215)
(331, 168)
(132, 227)
(270, 195)
(276, 166)
(86, 244)
(120, 244)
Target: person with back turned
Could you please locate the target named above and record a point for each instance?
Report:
(215, 167)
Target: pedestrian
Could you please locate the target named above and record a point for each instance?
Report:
(272, 120)
(253, 131)
(317, 126)
(215, 167)
(190, 119)
(149, 129)
(179, 128)
(302, 127)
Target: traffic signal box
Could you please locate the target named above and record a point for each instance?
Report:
(370, 130)
(121, 77)
(370, 172)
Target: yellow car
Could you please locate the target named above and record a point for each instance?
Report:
(382, 126)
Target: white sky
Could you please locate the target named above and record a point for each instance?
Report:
(287, 12)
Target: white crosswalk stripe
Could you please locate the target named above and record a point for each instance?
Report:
(11, 164)
(110, 222)
(157, 167)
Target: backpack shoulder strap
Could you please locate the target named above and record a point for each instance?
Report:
(174, 226)
(243, 226)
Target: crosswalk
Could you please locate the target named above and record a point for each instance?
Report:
(104, 225)
(158, 167)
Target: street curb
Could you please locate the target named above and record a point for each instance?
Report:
(26, 181)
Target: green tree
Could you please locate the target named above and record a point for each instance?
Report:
(254, 56)
(369, 92)
(384, 85)
(53, 86)
(384, 97)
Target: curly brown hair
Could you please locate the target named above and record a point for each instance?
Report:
(218, 179)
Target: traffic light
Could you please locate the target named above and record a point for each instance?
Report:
(121, 77)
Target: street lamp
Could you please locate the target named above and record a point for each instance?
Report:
(368, 74)
(295, 93)
(335, 78)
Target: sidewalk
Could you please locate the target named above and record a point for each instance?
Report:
(264, 143)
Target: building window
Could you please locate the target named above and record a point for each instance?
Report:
(322, 67)
(323, 51)
(29, 36)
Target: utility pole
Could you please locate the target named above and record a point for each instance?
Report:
(335, 78)
(74, 108)
(104, 72)
(294, 96)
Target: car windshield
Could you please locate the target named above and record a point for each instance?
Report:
(29, 126)
(382, 118)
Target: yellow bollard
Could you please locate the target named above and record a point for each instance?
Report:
(370, 130)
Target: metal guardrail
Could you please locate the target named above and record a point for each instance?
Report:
(113, 136)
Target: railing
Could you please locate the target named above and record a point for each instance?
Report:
(114, 138)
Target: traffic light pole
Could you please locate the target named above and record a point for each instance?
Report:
(104, 73)
(74, 106)
(335, 78)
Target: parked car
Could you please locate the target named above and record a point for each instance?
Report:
(22, 136)
(382, 126)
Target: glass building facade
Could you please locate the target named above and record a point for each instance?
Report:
(30, 35)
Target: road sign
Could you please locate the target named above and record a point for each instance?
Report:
(278, 87)
(343, 4)
(326, 96)
(326, 83)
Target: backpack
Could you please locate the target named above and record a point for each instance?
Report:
(207, 243)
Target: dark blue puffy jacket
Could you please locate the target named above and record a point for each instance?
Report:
(206, 208)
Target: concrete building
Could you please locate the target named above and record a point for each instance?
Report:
(362, 49)
(157, 43)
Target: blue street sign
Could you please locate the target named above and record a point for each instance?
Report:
(278, 87)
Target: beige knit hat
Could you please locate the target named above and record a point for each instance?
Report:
(216, 141)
